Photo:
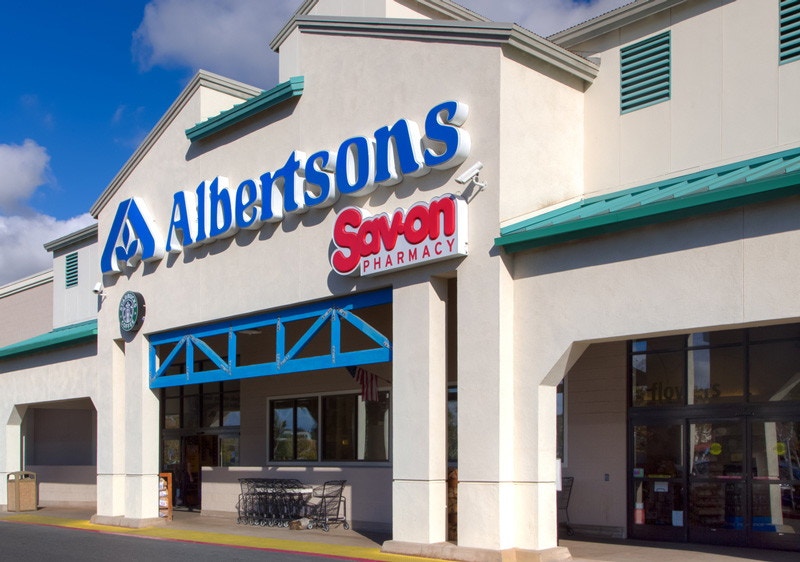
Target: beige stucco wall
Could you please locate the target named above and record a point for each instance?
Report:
(71, 305)
(287, 263)
(31, 308)
(63, 374)
(716, 114)
(596, 437)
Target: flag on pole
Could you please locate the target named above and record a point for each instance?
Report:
(368, 382)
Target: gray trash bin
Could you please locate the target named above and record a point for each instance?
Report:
(22, 491)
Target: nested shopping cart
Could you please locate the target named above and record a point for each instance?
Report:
(328, 506)
(271, 502)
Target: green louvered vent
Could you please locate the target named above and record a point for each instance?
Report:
(645, 73)
(790, 30)
(72, 269)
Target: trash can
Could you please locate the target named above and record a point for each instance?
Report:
(22, 491)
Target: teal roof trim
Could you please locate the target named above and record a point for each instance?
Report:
(263, 101)
(744, 183)
(60, 337)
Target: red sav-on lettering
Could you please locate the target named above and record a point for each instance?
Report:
(367, 244)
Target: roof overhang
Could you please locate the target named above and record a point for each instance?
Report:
(445, 8)
(60, 337)
(752, 181)
(472, 32)
(610, 21)
(82, 235)
(255, 105)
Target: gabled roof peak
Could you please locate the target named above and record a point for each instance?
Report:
(203, 78)
(442, 9)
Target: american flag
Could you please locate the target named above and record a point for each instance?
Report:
(368, 382)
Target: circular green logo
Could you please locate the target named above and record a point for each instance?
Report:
(715, 449)
(131, 311)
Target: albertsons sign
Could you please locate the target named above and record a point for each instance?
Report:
(216, 210)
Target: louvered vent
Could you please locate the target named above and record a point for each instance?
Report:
(72, 269)
(790, 30)
(645, 73)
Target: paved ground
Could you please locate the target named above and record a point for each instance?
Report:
(192, 527)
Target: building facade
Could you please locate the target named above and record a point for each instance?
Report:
(445, 242)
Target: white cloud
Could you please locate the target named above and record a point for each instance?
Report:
(23, 232)
(22, 240)
(229, 37)
(24, 168)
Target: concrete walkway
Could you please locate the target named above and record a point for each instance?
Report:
(193, 527)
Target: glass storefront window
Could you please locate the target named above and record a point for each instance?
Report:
(191, 407)
(775, 371)
(776, 508)
(172, 413)
(231, 415)
(716, 375)
(229, 451)
(717, 448)
(307, 425)
(351, 429)
(659, 378)
(452, 424)
(658, 450)
(716, 505)
(339, 427)
(294, 429)
(373, 441)
(660, 502)
(283, 430)
(706, 368)
(211, 408)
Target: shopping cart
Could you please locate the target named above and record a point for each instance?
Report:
(327, 506)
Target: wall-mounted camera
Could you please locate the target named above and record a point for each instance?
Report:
(471, 173)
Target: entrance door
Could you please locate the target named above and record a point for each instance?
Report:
(741, 485)
(775, 485)
(718, 481)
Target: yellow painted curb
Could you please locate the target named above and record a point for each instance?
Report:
(352, 552)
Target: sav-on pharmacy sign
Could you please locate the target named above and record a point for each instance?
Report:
(214, 210)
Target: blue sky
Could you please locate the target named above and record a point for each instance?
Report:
(83, 82)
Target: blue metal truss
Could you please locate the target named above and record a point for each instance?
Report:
(188, 342)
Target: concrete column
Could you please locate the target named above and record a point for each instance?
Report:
(419, 387)
(111, 432)
(142, 445)
(128, 438)
(11, 454)
(488, 511)
(506, 429)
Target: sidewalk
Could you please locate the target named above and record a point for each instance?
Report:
(192, 527)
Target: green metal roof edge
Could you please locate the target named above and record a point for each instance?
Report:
(514, 238)
(263, 101)
(60, 337)
(518, 226)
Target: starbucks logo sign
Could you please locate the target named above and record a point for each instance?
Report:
(131, 311)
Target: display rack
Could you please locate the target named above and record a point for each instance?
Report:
(165, 495)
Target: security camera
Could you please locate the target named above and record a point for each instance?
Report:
(472, 172)
(98, 288)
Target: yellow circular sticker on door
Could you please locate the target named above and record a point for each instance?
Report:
(715, 449)
(780, 449)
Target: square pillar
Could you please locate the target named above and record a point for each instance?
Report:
(128, 438)
(419, 489)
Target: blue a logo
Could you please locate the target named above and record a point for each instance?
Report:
(133, 238)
